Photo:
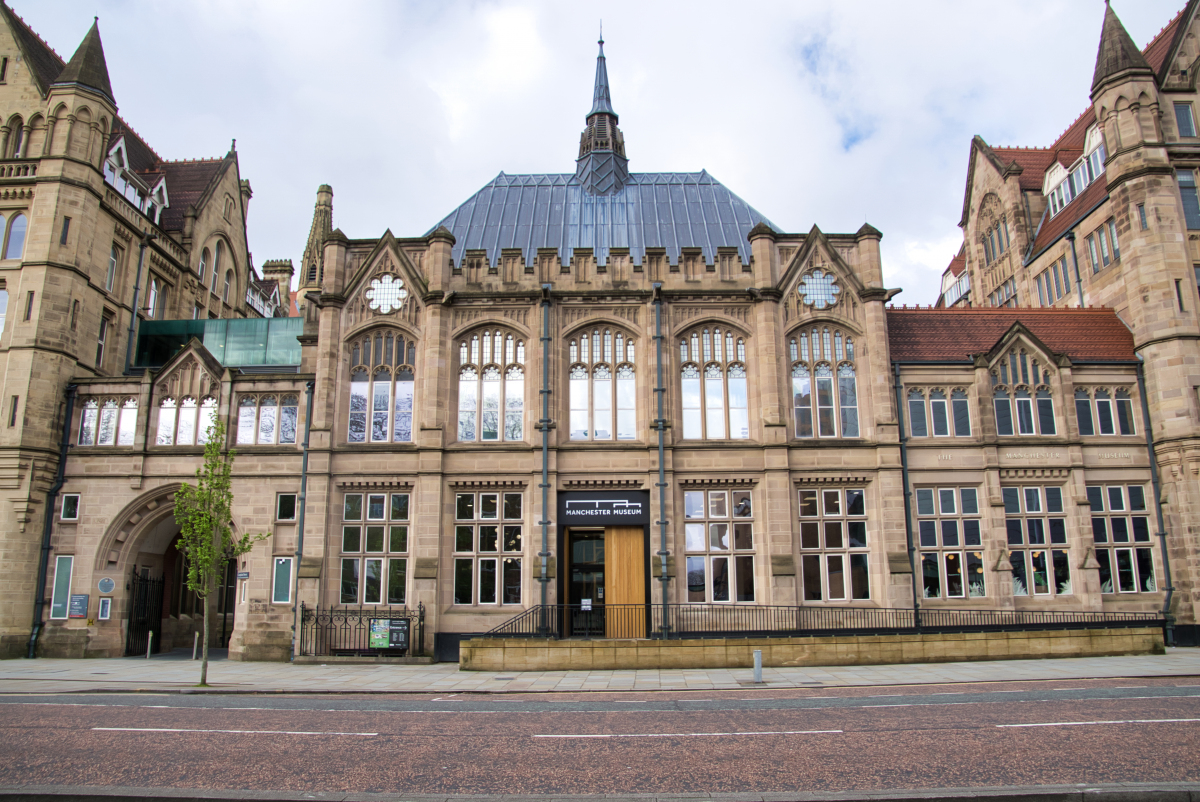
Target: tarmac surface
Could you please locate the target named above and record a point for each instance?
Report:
(1119, 729)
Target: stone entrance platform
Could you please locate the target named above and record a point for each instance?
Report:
(534, 654)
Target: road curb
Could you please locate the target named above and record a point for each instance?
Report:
(1111, 792)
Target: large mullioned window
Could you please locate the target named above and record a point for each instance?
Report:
(267, 419)
(108, 422)
(184, 422)
(1021, 394)
(603, 387)
(381, 388)
(491, 387)
(939, 413)
(1037, 539)
(833, 545)
(487, 548)
(374, 559)
(824, 385)
(951, 542)
(1121, 531)
(1102, 410)
(713, 389)
(719, 537)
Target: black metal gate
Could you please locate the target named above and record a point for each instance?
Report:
(145, 613)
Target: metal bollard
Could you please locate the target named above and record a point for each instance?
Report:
(195, 645)
(149, 643)
(758, 665)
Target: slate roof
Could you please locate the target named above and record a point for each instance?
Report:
(87, 67)
(955, 335)
(1117, 51)
(186, 183)
(43, 62)
(653, 210)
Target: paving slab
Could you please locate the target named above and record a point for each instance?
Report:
(170, 673)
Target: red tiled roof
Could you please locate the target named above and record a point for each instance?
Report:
(957, 265)
(186, 183)
(1069, 145)
(954, 335)
(1160, 46)
(1033, 162)
(1053, 228)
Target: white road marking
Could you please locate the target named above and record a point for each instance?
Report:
(692, 734)
(1118, 721)
(234, 732)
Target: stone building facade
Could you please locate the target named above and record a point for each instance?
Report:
(607, 387)
(1107, 216)
(94, 224)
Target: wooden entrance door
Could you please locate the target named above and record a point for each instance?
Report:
(625, 582)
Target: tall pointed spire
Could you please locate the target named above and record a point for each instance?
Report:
(1118, 55)
(312, 264)
(88, 67)
(601, 167)
(601, 100)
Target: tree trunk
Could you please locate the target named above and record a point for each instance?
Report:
(204, 660)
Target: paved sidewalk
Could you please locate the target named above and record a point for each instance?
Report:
(174, 672)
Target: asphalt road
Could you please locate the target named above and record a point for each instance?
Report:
(843, 739)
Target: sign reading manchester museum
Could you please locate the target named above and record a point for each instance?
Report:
(604, 508)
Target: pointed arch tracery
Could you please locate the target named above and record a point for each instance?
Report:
(603, 383)
(382, 387)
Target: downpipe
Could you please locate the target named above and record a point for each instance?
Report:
(1168, 619)
(660, 424)
(39, 598)
(296, 623)
(544, 426)
(137, 283)
(908, 535)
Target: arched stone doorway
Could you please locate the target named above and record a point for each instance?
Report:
(140, 552)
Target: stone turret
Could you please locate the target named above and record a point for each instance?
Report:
(312, 264)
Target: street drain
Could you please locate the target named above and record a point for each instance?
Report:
(503, 677)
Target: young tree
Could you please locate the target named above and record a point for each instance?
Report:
(206, 539)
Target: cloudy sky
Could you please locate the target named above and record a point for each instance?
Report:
(814, 111)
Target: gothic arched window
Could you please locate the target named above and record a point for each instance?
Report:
(1021, 396)
(603, 389)
(382, 384)
(108, 422)
(491, 386)
(824, 383)
(713, 390)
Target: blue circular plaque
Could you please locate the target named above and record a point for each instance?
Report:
(106, 585)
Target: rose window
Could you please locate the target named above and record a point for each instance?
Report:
(386, 294)
(819, 289)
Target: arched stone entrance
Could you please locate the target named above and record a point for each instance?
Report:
(139, 552)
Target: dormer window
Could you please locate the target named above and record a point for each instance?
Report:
(1081, 174)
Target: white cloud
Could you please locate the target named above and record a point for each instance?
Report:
(815, 113)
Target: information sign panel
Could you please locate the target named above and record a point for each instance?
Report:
(388, 633)
(79, 606)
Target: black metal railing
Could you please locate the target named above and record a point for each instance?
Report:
(744, 621)
(349, 631)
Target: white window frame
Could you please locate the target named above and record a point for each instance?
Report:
(276, 563)
(62, 511)
(716, 521)
(60, 597)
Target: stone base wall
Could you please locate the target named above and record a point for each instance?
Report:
(527, 654)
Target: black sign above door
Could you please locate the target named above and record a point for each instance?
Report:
(604, 508)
